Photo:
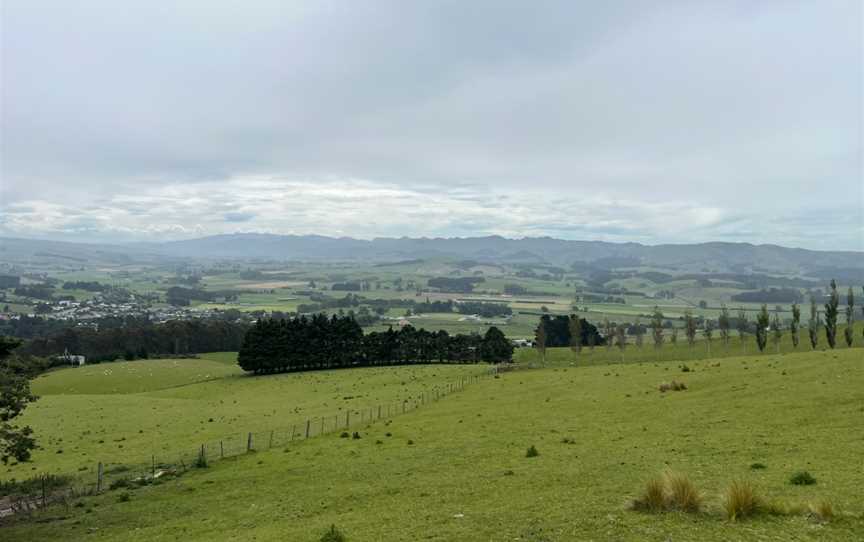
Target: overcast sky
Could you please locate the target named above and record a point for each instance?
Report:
(624, 121)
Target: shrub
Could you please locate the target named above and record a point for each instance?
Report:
(120, 483)
(356, 435)
(344, 434)
(821, 511)
(532, 452)
(757, 466)
(123, 497)
(741, 500)
(802, 478)
(333, 535)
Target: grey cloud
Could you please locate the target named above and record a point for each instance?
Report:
(749, 108)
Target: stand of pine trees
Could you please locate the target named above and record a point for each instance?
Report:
(318, 342)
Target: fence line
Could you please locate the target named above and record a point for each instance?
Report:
(48, 489)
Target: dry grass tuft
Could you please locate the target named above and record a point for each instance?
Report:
(741, 500)
(821, 511)
(681, 494)
(671, 491)
(672, 386)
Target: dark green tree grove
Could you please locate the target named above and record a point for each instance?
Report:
(15, 442)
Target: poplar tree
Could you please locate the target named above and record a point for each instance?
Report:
(850, 317)
(540, 341)
(795, 324)
(778, 331)
(831, 315)
(575, 325)
(814, 324)
(708, 332)
(742, 326)
(723, 324)
(657, 328)
(690, 327)
(763, 323)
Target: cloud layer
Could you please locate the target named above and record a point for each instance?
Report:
(683, 121)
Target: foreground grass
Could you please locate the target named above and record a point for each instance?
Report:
(465, 476)
(129, 412)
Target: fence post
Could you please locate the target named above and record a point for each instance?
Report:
(221, 450)
(308, 425)
(322, 425)
(271, 440)
(99, 473)
(202, 457)
(249, 442)
(379, 412)
(293, 431)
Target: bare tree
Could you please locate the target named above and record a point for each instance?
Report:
(575, 325)
(777, 328)
(540, 341)
(708, 332)
(742, 326)
(690, 327)
(723, 324)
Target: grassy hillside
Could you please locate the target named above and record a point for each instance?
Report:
(457, 469)
(127, 412)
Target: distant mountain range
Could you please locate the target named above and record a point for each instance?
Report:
(737, 257)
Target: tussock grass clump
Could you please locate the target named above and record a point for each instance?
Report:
(672, 386)
(821, 511)
(741, 500)
(333, 535)
(532, 451)
(802, 478)
(670, 491)
(757, 466)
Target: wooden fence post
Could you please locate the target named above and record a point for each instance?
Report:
(221, 450)
(293, 431)
(249, 442)
(379, 412)
(99, 473)
(271, 440)
(308, 425)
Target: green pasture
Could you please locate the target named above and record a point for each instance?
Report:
(128, 412)
(457, 469)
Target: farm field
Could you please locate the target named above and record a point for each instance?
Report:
(129, 412)
(457, 469)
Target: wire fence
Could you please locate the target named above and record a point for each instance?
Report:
(28, 496)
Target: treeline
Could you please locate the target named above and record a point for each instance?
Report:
(319, 342)
(557, 331)
(87, 286)
(381, 306)
(772, 295)
(141, 339)
(461, 285)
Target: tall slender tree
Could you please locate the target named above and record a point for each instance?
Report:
(795, 324)
(690, 327)
(575, 326)
(708, 332)
(831, 315)
(640, 332)
(673, 337)
(850, 318)
(540, 341)
(743, 327)
(657, 329)
(777, 328)
(621, 339)
(609, 333)
(814, 323)
(723, 324)
(763, 324)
